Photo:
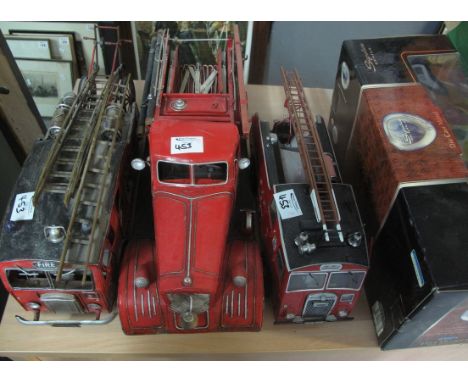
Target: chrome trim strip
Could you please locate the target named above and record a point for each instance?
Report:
(195, 198)
(154, 305)
(189, 249)
(149, 303)
(66, 323)
(189, 246)
(232, 303)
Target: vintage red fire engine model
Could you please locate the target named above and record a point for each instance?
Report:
(313, 237)
(62, 232)
(202, 270)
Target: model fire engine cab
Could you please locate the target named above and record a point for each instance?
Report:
(202, 270)
(313, 237)
(62, 232)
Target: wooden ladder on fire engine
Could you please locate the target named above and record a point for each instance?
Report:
(312, 156)
(64, 170)
(93, 176)
(60, 169)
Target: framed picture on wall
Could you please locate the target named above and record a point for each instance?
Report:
(82, 32)
(48, 81)
(29, 48)
(62, 47)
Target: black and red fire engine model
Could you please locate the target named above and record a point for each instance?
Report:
(313, 238)
(63, 229)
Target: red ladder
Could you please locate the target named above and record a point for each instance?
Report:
(311, 152)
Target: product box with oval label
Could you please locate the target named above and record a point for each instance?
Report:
(417, 284)
(366, 64)
(402, 139)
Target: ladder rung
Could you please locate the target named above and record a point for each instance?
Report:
(79, 241)
(89, 203)
(107, 143)
(65, 161)
(54, 190)
(71, 138)
(60, 174)
(91, 185)
(75, 134)
(96, 170)
(71, 149)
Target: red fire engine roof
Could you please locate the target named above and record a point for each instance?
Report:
(194, 141)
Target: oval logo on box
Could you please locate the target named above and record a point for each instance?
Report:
(345, 77)
(408, 132)
(331, 267)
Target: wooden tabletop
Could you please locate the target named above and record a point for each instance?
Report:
(350, 340)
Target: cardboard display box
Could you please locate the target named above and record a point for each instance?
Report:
(417, 285)
(365, 64)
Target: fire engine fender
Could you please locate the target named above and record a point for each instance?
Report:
(245, 265)
(138, 277)
(138, 299)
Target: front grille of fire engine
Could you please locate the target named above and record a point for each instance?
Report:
(189, 307)
(318, 306)
(189, 302)
(61, 302)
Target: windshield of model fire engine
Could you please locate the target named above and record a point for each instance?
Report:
(174, 173)
(44, 279)
(203, 174)
(306, 281)
(212, 173)
(346, 280)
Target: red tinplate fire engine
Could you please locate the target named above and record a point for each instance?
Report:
(202, 270)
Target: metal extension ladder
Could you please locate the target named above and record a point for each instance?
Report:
(312, 154)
